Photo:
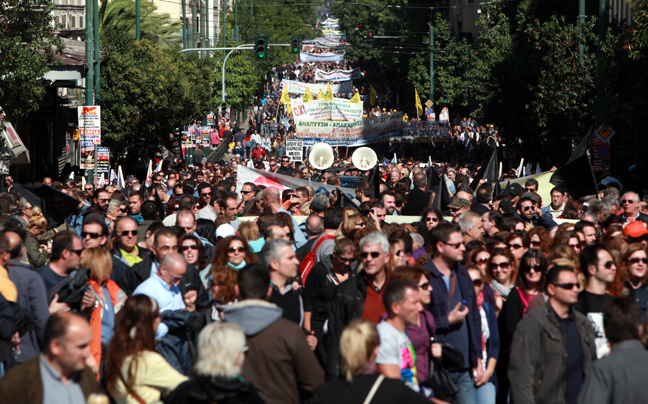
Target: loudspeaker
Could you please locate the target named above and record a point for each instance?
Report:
(364, 158)
(321, 156)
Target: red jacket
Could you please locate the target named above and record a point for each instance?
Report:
(258, 153)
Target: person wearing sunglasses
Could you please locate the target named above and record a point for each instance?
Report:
(400, 249)
(529, 284)
(431, 217)
(531, 214)
(518, 243)
(94, 234)
(193, 251)
(554, 338)
(633, 266)
(630, 205)
(600, 270)
(502, 272)
(486, 386)
(234, 252)
(67, 250)
(125, 246)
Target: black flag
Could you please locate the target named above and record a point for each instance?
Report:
(576, 176)
(442, 197)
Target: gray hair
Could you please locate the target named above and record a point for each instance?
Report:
(219, 345)
(376, 238)
(272, 250)
(320, 202)
(467, 221)
(636, 196)
(23, 203)
(112, 204)
(314, 225)
(417, 239)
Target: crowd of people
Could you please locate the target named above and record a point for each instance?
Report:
(187, 291)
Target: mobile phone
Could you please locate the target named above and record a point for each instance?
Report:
(463, 305)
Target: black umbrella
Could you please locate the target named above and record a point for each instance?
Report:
(54, 203)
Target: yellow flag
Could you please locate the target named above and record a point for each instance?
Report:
(356, 98)
(308, 96)
(285, 98)
(329, 94)
(417, 101)
(372, 96)
(320, 94)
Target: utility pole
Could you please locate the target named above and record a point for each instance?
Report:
(431, 97)
(581, 21)
(97, 52)
(203, 13)
(604, 15)
(236, 20)
(206, 25)
(184, 24)
(194, 25)
(223, 34)
(137, 19)
(89, 50)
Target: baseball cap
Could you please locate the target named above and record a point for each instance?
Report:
(516, 189)
(225, 230)
(635, 229)
(459, 204)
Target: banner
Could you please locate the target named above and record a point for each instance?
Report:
(262, 177)
(544, 186)
(322, 57)
(358, 133)
(102, 166)
(320, 110)
(295, 149)
(430, 129)
(338, 75)
(297, 87)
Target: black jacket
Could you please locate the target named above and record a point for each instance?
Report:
(190, 281)
(207, 390)
(346, 304)
(415, 202)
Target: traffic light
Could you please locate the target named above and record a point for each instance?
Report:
(261, 47)
(295, 44)
(370, 36)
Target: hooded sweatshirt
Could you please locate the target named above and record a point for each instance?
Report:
(278, 361)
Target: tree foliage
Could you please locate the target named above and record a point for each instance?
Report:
(147, 92)
(27, 49)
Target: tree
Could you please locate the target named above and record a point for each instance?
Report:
(147, 92)
(27, 49)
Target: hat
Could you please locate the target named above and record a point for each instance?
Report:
(225, 230)
(635, 229)
(459, 204)
(530, 196)
(516, 189)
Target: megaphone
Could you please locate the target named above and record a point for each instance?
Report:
(321, 156)
(364, 158)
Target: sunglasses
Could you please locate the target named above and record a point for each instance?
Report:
(374, 254)
(360, 224)
(568, 286)
(529, 189)
(535, 268)
(637, 260)
(235, 249)
(503, 265)
(344, 260)
(478, 282)
(535, 243)
(527, 208)
(455, 245)
(424, 286)
(128, 233)
(77, 252)
(246, 192)
(627, 201)
(481, 261)
(575, 246)
(515, 246)
(189, 247)
(431, 219)
(123, 210)
(206, 194)
(400, 252)
(85, 234)
(608, 264)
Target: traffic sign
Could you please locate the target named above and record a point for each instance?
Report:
(428, 104)
(603, 151)
(605, 132)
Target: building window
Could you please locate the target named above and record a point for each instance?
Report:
(72, 22)
(63, 21)
(56, 21)
(80, 22)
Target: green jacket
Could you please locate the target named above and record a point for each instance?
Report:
(538, 356)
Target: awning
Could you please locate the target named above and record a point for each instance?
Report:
(14, 146)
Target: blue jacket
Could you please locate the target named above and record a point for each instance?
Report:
(439, 308)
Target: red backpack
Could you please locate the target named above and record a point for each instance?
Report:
(309, 260)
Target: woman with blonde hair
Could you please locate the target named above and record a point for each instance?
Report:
(249, 230)
(109, 300)
(359, 345)
(37, 224)
(356, 221)
(221, 354)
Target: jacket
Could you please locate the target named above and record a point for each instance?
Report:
(37, 257)
(141, 252)
(215, 389)
(538, 356)
(439, 307)
(23, 383)
(278, 361)
(346, 304)
(190, 281)
(415, 202)
(118, 298)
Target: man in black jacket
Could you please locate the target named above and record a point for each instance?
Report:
(417, 200)
(165, 242)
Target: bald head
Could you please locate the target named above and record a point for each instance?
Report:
(271, 194)
(464, 195)
(15, 244)
(172, 268)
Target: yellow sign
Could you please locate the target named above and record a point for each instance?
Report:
(605, 132)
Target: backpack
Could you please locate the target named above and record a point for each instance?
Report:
(309, 260)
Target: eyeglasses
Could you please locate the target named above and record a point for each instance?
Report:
(128, 233)
(104, 200)
(206, 194)
(529, 189)
(374, 254)
(123, 210)
(77, 252)
(637, 260)
(527, 208)
(247, 192)
(481, 261)
(535, 268)
(400, 252)
(344, 260)
(608, 264)
(535, 243)
(515, 246)
(503, 265)
(85, 234)
(478, 282)
(431, 219)
(189, 247)
(235, 249)
(568, 286)
(360, 224)
(623, 202)
(424, 286)
(455, 245)
(575, 246)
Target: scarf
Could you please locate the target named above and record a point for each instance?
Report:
(480, 305)
(501, 289)
(526, 298)
(237, 267)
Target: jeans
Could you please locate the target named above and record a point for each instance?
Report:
(466, 384)
(486, 394)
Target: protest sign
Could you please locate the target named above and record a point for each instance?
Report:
(322, 57)
(297, 87)
(337, 75)
(358, 133)
(295, 149)
(102, 166)
(338, 109)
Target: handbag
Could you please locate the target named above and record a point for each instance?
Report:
(439, 379)
(374, 389)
